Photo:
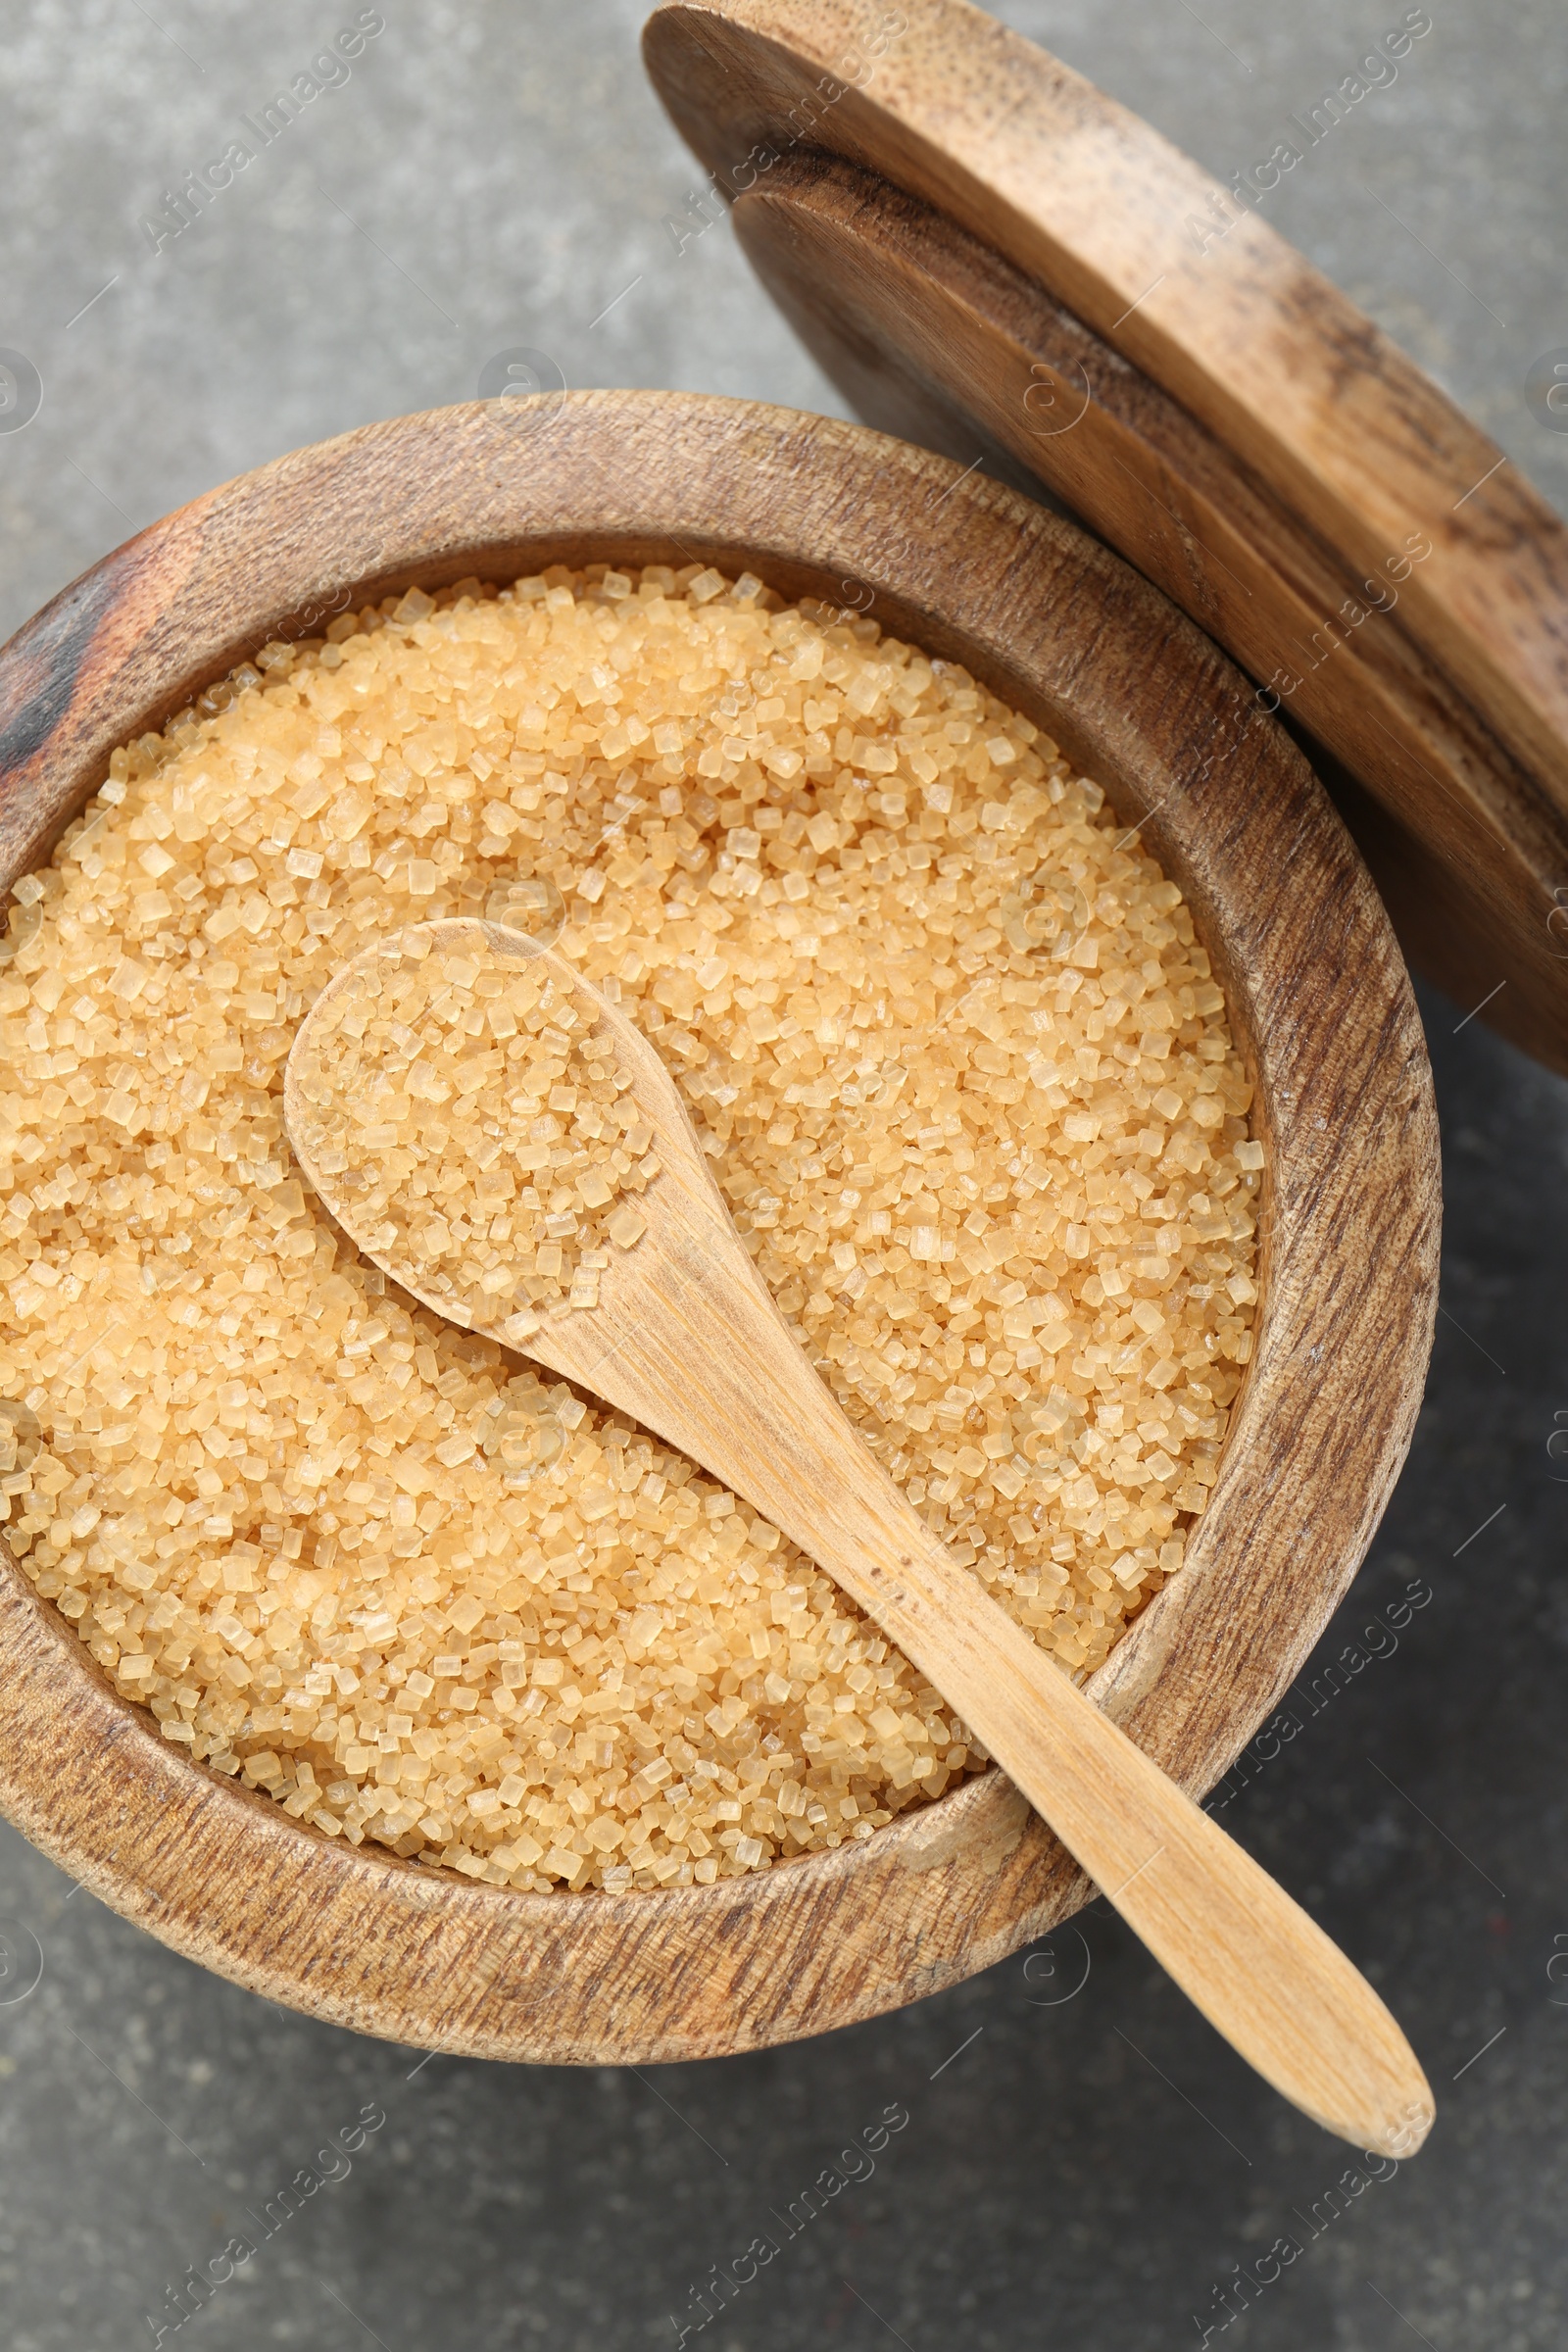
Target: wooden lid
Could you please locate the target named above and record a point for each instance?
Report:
(990, 256)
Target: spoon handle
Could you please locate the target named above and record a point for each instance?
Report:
(703, 1355)
(1260, 1970)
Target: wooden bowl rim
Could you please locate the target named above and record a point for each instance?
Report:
(1320, 1002)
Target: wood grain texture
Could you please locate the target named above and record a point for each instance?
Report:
(930, 336)
(1330, 421)
(1322, 1013)
(688, 1341)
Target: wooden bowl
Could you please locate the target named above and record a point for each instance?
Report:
(1320, 1002)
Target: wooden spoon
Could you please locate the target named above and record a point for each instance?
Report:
(688, 1341)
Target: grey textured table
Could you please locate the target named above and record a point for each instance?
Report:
(1084, 2171)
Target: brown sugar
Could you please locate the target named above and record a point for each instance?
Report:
(967, 1084)
(472, 1125)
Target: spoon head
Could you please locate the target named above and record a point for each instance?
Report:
(673, 1175)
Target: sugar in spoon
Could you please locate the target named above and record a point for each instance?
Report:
(679, 1331)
